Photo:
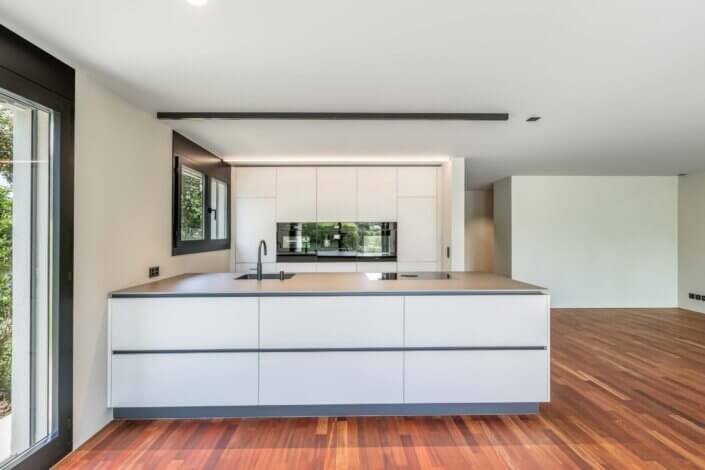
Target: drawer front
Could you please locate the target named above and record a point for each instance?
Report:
(405, 266)
(184, 379)
(377, 267)
(296, 267)
(251, 268)
(477, 321)
(331, 322)
(304, 378)
(336, 267)
(477, 376)
(183, 323)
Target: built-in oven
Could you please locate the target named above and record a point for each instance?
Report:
(296, 242)
(336, 241)
(377, 241)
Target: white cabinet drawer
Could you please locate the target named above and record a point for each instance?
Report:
(183, 323)
(336, 267)
(331, 322)
(251, 268)
(324, 378)
(296, 267)
(477, 320)
(405, 267)
(184, 379)
(377, 267)
(477, 376)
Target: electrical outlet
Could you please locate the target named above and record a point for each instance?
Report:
(698, 297)
(691, 296)
(153, 271)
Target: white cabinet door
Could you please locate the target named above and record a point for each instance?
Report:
(184, 379)
(328, 378)
(405, 267)
(375, 267)
(296, 194)
(477, 321)
(337, 194)
(418, 181)
(183, 323)
(476, 376)
(336, 267)
(254, 221)
(376, 194)
(296, 267)
(331, 322)
(417, 234)
(254, 182)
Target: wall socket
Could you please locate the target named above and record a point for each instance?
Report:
(692, 296)
(154, 271)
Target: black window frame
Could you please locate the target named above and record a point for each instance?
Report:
(35, 75)
(186, 153)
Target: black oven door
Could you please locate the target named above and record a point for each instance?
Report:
(296, 242)
(377, 241)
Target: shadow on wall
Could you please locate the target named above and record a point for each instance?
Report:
(479, 231)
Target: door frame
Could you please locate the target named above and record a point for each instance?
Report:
(29, 72)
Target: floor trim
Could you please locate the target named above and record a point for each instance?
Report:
(269, 411)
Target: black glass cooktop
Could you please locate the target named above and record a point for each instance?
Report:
(410, 276)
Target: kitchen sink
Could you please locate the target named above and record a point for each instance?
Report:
(264, 276)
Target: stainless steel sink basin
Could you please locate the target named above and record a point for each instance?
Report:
(264, 276)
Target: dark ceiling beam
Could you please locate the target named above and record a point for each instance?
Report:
(338, 116)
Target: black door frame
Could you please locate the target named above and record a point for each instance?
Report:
(31, 73)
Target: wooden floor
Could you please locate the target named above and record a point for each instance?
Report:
(628, 392)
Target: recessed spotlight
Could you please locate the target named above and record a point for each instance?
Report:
(198, 3)
(533, 118)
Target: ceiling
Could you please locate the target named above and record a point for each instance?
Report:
(619, 85)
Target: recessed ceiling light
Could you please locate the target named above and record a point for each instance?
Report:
(198, 3)
(533, 118)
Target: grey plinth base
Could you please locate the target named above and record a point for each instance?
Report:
(440, 409)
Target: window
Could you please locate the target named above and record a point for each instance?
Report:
(36, 254)
(201, 199)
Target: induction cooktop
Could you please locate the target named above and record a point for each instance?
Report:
(410, 276)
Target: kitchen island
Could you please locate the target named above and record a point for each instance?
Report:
(205, 345)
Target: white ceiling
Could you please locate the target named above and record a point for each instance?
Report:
(619, 84)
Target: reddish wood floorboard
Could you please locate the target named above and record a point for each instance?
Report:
(628, 391)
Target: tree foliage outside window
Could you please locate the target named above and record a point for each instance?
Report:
(5, 260)
(192, 204)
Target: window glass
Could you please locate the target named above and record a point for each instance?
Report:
(25, 287)
(192, 204)
(219, 210)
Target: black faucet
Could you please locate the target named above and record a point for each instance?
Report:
(259, 258)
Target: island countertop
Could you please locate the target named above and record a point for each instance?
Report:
(326, 284)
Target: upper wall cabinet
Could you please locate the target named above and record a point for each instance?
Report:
(337, 200)
(417, 236)
(254, 221)
(377, 194)
(296, 194)
(255, 182)
(418, 181)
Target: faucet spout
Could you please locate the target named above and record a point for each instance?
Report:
(262, 244)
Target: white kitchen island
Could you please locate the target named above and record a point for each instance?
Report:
(328, 344)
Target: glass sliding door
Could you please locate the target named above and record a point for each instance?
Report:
(27, 326)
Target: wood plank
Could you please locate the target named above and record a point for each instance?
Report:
(628, 392)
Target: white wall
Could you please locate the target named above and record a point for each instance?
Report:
(479, 231)
(503, 227)
(692, 241)
(122, 226)
(597, 241)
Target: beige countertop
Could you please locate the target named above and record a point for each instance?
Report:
(224, 284)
